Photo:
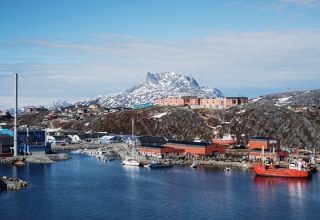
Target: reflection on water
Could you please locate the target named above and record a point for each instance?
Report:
(131, 171)
(274, 181)
(296, 190)
(85, 188)
(295, 186)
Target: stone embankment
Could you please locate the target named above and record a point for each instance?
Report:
(48, 158)
(7, 183)
(212, 163)
(76, 146)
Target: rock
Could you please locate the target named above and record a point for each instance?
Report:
(12, 184)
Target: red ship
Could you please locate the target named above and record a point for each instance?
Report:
(294, 170)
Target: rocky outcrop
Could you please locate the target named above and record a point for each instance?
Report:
(7, 183)
(181, 123)
(292, 128)
(310, 98)
(38, 159)
(47, 158)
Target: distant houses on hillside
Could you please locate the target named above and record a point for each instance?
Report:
(196, 102)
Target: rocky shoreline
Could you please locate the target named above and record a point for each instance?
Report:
(212, 163)
(8, 183)
(48, 158)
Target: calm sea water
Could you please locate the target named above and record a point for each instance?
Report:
(85, 188)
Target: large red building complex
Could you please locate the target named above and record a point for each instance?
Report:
(158, 151)
(159, 147)
(199, 149)
(196, 102)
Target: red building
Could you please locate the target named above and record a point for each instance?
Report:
(271, 148)
(154, 146)
(200, 149)
(196, 102)
(158, 151)
(267, 143)
(234, 101)
(171, 101)
(211, 103)
(160, 147)
(191, 101)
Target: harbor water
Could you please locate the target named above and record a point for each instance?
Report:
(86, 188)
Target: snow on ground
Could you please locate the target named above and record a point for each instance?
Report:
(241, 111)
(285, 99)
(160, 115)
(256, 99)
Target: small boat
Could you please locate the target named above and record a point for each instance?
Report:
(130, 162)
(111, 158)
(76, 151)
(157, 165)
(294, 170)
(104, 158)
(227, 169)
(193, 165)
(317, 161)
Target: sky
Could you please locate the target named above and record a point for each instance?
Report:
(76, 49)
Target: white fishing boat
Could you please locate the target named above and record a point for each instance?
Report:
(193, 165)
(130, 162)
(157, 164)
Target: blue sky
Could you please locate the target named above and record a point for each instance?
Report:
(77, 49)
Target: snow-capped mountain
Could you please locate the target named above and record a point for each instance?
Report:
(60, 104)
(157, 85)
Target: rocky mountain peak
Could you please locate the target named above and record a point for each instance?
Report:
(157, 85)
(170, 78)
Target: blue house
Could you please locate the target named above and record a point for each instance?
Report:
(6, 131)
(33, 142)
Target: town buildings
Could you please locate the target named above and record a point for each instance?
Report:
(32, 141)
(6, 143)
(160, 147)
(266, 147)
(196, 102)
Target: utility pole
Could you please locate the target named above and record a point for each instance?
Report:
(132, 130)
(15, 136)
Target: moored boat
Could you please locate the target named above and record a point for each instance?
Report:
(130, 162)
(193, 165)
(156, 164)
(294, 170)
(317, 164)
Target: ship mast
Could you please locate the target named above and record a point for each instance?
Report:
(262, 155)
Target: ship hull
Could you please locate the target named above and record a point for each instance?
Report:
(279, 172)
